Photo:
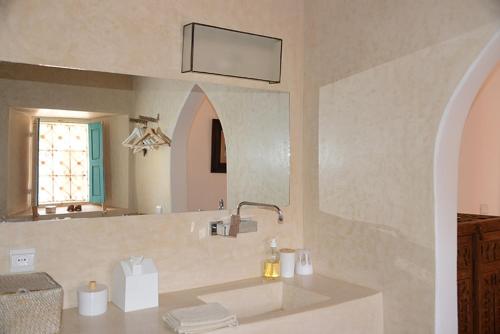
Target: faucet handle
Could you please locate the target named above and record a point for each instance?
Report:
(233, 227)
(226, 229)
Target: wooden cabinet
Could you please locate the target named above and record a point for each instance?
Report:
(465, 278)
(478, 274)
(465, 284)
(487, 297)
(487, 267)
(465, 307)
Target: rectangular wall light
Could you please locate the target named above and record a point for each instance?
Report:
(214, 50)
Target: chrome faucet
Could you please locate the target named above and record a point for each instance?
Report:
(271, 206)
(234, 227)
(237, 225)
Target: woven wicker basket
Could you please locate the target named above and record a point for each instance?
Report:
(30, 303)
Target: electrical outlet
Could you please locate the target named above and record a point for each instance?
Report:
(22, 260)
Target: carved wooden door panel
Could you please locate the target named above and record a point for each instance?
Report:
(465, 307)
(497, 302)
(464, 257)
(465, 285)
(488, 282)
(488, 297)
(478, 274)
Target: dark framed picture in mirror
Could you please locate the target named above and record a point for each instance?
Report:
(218, 160)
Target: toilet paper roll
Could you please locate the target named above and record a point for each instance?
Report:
(92, 299)
(287, 262)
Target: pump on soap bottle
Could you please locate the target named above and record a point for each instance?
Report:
(272, 263)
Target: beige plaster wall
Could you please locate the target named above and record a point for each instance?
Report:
(18, 161)
(479, 169)
(152, 172)
(378, 76)
(144, 38)
(205, 188)
(79, 250)
(117, 161)
(256, 126)
(65, 76)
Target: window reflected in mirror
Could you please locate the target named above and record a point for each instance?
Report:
(63, 163)
(57, 165)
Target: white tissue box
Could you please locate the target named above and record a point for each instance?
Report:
(135, 285)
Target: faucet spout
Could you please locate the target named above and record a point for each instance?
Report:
(264, 205)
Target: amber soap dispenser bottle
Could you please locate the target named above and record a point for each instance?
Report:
(272, 263)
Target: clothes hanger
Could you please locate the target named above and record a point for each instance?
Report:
(145, 138)
(163, 136)
(154, 137)
(136, 133)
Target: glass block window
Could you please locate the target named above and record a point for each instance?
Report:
(63, 163)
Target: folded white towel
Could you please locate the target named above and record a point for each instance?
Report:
(200, 319)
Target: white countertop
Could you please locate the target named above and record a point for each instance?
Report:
(149, 320)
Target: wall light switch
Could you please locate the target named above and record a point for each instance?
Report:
(22, 260)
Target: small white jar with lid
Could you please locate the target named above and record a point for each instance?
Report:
(92, 299)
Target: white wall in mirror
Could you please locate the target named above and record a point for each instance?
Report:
(256, 127)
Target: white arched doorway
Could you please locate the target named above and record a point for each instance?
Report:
(178, 169)
(446, 157)
(195, 185)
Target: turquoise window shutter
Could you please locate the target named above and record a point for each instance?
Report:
(96, 164)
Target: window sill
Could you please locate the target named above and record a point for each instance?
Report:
(62, 209)
(88, 211)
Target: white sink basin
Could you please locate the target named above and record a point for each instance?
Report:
(266, 298)
(305, 304)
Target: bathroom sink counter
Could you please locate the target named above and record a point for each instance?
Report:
(304, 304)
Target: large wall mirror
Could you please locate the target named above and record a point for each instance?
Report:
(85, 144)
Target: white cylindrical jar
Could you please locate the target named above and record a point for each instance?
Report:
(287, 262)
(92, 299)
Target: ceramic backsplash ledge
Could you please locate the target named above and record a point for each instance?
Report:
(78, 250)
